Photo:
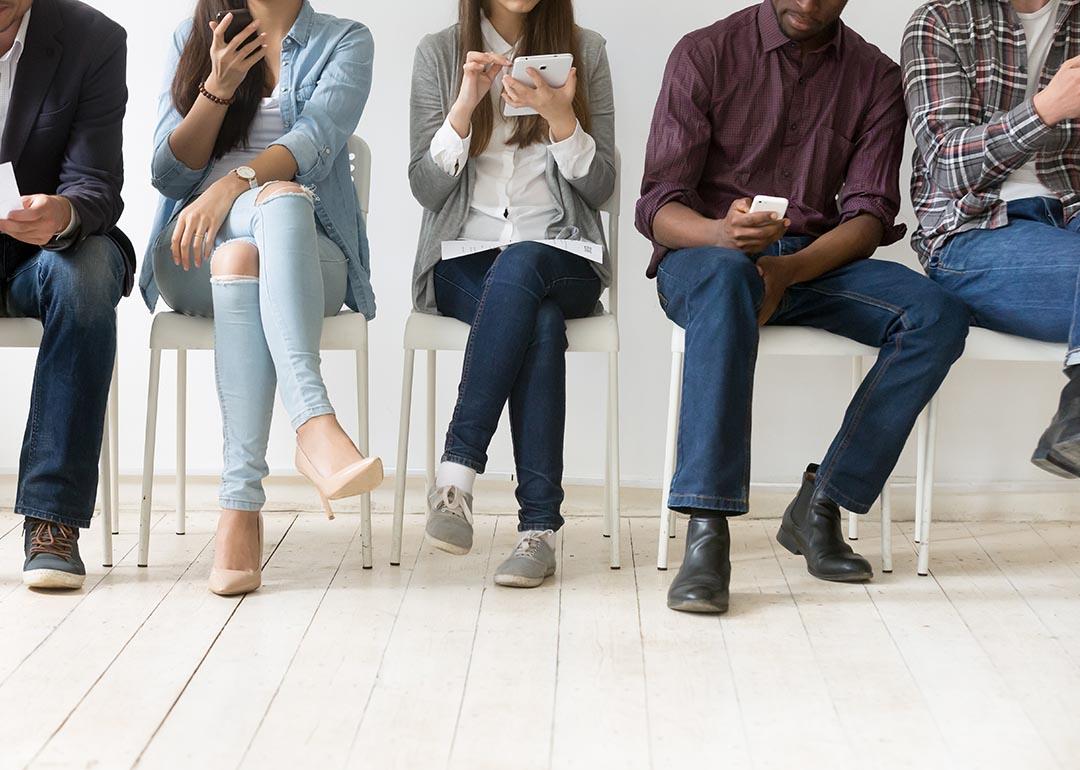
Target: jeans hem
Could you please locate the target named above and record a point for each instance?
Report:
(1072, 358)
(56, 518)
(727, 504)
(463, 460)
(235, 504)
(311, 413)
(845, 502)
(554, 526)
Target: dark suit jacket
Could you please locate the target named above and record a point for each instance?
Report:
(65, 122)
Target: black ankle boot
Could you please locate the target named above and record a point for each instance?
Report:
(702, 582)
(812, 528)
(1058, 451)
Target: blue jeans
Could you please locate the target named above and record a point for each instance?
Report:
(1020, 279)
(714, 294)
(517, 303)
(266, 329)
(75, 294)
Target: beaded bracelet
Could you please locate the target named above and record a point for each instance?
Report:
(211, 97)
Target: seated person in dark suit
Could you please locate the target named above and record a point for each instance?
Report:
(62, 99)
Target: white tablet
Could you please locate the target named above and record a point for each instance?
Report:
(553, 68)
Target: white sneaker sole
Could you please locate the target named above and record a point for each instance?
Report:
(520, 581)
(442, 545)
(52, 578)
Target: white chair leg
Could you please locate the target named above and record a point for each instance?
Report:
(920, 471)
(613, 452)
(105, 487)
(886, 529)
(856, 381)
(667, 529)
(430, 457)
(605, 522)
(181, 442)
(928, 491)
(363, 440)
(401, 472)
(148, 457)
(114, 446)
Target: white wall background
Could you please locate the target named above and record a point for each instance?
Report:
(991, 417)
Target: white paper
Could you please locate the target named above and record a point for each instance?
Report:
(593, 252)
(10, 199)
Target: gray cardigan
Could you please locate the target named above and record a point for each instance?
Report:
(436, 79)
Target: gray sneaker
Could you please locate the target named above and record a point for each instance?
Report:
(449, 520)
(52, 555)
(532, 561)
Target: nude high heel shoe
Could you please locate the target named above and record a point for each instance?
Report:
(356, 479)
(233, 582)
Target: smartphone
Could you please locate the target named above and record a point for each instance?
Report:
(766, 204)
(553, 68)
(241, 18)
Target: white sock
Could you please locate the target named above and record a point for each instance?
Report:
(455, 475)
(546, 535)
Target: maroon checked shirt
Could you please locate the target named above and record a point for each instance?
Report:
(743, 112)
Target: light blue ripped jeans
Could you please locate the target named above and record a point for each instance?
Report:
(266, 329)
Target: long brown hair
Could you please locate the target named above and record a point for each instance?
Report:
(194, 67)
(549, 29)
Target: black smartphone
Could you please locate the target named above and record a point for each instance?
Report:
(241, 18)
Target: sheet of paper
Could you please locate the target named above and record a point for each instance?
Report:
(593, 252)
(10, 199)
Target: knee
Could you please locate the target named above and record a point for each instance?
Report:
(87, 279)
(550, 326)
(289, 192)
(519, 266)
(726, 279)
(945, 319)
(235, 259)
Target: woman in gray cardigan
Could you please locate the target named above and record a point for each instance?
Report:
(495, 190)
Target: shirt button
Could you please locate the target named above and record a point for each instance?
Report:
(794, 126)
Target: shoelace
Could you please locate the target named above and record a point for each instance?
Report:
(55, 539)
(529, 544)
(454, 503)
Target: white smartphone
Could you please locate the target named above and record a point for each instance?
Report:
(553, 68)
(766, 204)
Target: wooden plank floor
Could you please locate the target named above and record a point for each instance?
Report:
(429, 665)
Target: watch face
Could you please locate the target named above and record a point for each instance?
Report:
(246, 172)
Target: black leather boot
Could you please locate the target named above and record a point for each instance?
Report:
(1058, 451)
(702, 582)
(812, 528)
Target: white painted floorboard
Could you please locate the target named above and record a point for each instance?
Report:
(429, 665)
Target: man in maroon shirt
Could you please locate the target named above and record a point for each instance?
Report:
(782, 99)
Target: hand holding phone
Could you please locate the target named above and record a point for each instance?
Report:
(554, 71)
(751, 232)
(236, 47)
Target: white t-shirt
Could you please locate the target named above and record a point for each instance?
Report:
(266, 129)
(1039, 29)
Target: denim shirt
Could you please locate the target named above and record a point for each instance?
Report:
(326, 66)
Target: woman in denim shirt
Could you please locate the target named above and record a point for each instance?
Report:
(259, 228)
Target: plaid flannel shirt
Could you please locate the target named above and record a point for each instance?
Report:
(965, 77)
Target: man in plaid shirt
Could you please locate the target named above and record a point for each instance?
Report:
(993, 93)
(783, 99)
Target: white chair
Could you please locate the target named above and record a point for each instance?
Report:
(982, 345)
(173, 331)
(598, 334)
(26, 333)
(775, 341)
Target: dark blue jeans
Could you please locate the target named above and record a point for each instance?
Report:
(1020, 279)
(75, 294)
(715, 294)
(517, 303)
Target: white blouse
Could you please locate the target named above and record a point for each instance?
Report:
(511, 200)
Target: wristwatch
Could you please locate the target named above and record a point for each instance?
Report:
(247, 173)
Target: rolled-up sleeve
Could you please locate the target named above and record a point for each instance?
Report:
(871, 184)
(168, 173)
(332, 113)
(679, 138)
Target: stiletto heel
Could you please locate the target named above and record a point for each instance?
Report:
(356, 479)
(233, 582)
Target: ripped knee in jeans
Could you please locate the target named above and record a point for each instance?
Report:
(235, 261)
(273, 190)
